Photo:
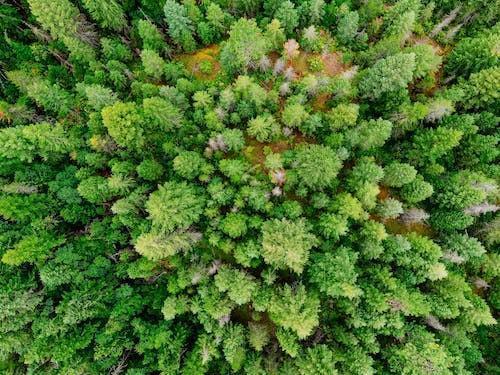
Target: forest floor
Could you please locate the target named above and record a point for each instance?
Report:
(193, 62)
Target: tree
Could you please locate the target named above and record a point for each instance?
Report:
(431, 144)
(259, 336)
(462, 248)
(175, 205)
(109, 14)
(387, 75)
(153, 63)
(370, 134)
(286, 244)
(347, 28)
(426, 60)
(217, 18)
(316, 11)
(50, 97)
(318, 359)
(244, 48)
(401, 17)
(480, 91)
(98, 96)
(390, 208)
(335, 273)
(418, 355)
(36, 140)
(294, 115)
(125, 124)
(398, 174)
(150, 170)
(32, 249)
(295, 309)
(161, 114)
(417, 190)
(63, 20)
(264, 128)
(288, 16)
(238, 285)
(160, 246)
(316, 166)
(472, 55)
(180, 27)
(152, 39)
(234, 224)
(275, 35)
(190, 164)
(234, 347)
(343, 115)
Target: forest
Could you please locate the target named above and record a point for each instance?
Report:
(252, 187)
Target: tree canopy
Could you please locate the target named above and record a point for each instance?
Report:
(250, 187)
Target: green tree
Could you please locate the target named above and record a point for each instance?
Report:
(50, 97)
(288, 16)
(418, 355)
(180, 26)
(335, 273)
(417, 190)
(150, 170)
(234, 224)
(286, 244)
(190, 164)
(316, 166)
(472, 55)
(152, 39)
(426, 60)
(398, 174)
(153, 63)
(275, 35)
(347, 28)
(109, 14)
(32, 249)
(481, 90)
(387, 75)
(264, 128)
(431, 144)
(343, 115)
(370, 134)
(295, 309)
(64, 21)
(294, 115)
(238, 285)
(245, 46)
(125, 124)
(160, 246)
(98, 96)
(161, 114)
(175, 205)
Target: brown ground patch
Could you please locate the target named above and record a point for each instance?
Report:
(384, 193)
(255, 149)
(414, 40)
(333, 63)
(320, 102)
(192, 62)
(395, 226)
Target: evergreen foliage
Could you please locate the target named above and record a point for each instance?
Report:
(253, 187)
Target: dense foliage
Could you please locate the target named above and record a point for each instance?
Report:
(249, 186)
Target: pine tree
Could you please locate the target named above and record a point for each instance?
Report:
(109, 14)
(180, 27)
